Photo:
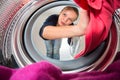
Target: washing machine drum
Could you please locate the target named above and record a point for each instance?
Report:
(22, 44)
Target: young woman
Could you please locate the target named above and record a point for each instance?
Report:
(52, 28)
(63, 30)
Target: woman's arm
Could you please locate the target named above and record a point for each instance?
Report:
(51, 32)
(84, 21)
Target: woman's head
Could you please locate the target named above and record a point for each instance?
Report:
(68, 15)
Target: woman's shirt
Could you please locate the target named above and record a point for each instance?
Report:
(50, 21)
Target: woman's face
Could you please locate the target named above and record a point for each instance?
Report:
(67, 17)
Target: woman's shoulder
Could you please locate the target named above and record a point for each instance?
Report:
(54, 16)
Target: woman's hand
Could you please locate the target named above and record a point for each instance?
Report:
(83, 22)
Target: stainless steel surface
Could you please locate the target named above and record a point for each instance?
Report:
(117, 22)
(8, 9)
(17, 18)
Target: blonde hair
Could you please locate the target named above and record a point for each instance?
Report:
(71, 8)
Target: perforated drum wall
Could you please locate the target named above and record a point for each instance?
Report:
(8, 8)
(16, 25)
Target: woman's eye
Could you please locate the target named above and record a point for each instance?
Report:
(64, 14)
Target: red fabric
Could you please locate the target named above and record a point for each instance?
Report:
(101, 12)
(82, 3)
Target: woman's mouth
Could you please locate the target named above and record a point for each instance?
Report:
(62, 23)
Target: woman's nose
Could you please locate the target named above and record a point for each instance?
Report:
(65, 19)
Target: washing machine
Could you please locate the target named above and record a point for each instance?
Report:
(21, 45)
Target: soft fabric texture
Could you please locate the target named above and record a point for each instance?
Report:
(37, 71)
(46, 71)
(101, 17)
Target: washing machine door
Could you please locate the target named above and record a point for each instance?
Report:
(22, 45)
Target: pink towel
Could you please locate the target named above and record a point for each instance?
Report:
(38, 71)
(101, 14)
(46, 71)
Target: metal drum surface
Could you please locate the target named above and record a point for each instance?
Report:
(18, 44)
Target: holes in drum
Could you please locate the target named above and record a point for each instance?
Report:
(23, 29)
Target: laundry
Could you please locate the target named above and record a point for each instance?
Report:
(101, 19)
(44, 70)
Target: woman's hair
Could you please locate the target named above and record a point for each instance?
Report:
(71, 8)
